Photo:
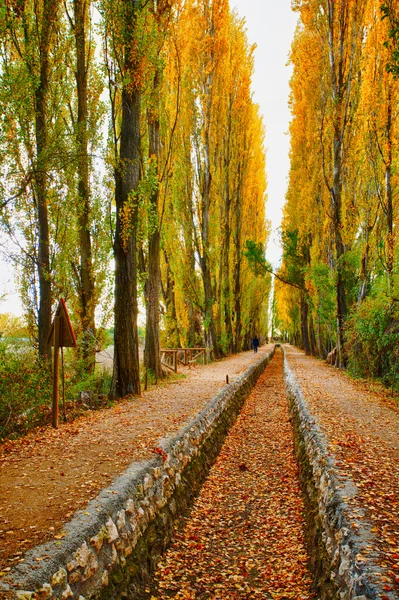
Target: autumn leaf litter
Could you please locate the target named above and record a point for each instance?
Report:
(361, 425)
(244, 537)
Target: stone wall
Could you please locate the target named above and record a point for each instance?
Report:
(112, 547)
(337, 562)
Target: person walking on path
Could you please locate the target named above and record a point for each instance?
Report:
(255, 344)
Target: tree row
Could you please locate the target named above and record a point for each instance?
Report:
(339, 230)
(133, 174)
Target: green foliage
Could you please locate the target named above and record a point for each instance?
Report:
(96, 386)
(373, 340)
(388, 13)
(293, 257)
(12, 326)
(106, 337)
(323, 294)
(255, 254)
(349, 268)
(25, 388)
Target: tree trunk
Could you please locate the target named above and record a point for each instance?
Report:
(87, 282)
(126, 374)
(170, 301)
(345, 30)
(152, 354)
(210, 329)
(226, 245)
(41, 183)
(312, 336)
(304, 324)
(237, 275)
(389, 197)
(336, 196)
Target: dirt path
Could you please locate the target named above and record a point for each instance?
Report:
(244, 536)
(362, 427)
(48, 475)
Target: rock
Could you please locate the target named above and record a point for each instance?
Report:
(79, 558)
(59, 578)
(156, 472)
(44, 592)
(148, 482)
(67, 593)
(105, 578)
(98, 540)
(121, 520)
(91, 568)
(75, 576)
(130, 507)
(85, 397)
(115, 558)
(111, 530)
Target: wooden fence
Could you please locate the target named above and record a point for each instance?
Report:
(171, 357)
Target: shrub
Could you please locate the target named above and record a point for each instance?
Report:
(373, 340)
(25, 388)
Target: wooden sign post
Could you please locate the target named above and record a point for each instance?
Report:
(61, 336)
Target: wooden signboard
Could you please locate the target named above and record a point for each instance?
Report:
(61, 336)
(67, 336)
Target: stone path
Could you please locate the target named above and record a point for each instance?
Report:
(361, 425)
(244, 537)
(48, 475)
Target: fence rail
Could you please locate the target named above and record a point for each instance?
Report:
(171, 357)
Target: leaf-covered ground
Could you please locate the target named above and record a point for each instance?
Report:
(361, 424)
(49, 474)
(244, 537)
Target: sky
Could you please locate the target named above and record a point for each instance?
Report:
(270, 25)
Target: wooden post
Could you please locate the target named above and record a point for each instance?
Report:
(57, 332)
(175, 360)
(63, 384)
(227, 379)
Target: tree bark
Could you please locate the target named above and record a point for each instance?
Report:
(41, 134)
(126, 373)
(152, 354)
(225, 276)
(336, 196)
(237, 273)
(87, 280)
(169, 299)
(344, 41)
(304, 324)
(389, 197)
(210, 329)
